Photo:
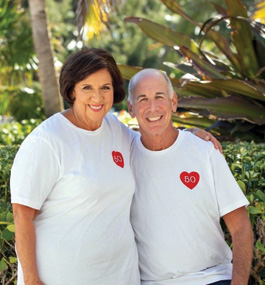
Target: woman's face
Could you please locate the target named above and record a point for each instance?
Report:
(93, 98)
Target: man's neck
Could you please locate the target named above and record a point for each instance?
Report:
(161, 141)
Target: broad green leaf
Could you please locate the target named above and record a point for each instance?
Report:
(258, 30)
(11, 228)
(203, 66)
(7, 235)
(219, 9)
(184, 67)
(163, 34)
(191, 88)
(224, 46)
(3, 265)
(261, 195)
(235, 86)
(5, 223)
(203, 123)
(128, 71)
(201, 89)
(9, 217)
(12, 259)
(230, 107)
(254, 211)
(260, 246)
(242, 36)
(176, 8)
(220, 41)
(242, 185)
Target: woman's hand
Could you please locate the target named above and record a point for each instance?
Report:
(206, 136)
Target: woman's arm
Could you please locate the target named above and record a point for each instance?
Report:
(206, 136)
(26, 242)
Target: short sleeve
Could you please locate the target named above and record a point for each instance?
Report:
(229, 195)
(34, 172)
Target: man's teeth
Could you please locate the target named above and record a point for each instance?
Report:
(154, 119)
(96, 107)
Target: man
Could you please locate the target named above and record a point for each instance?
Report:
(183, 188)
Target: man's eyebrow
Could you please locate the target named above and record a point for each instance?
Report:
(140, 96)
(160, 92)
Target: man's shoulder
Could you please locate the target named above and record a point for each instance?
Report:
(197, 143)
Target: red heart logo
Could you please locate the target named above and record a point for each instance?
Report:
(190, 179)
(118, 158)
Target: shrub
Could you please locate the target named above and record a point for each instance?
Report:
(246, 161)
(15, 133)
(7, 249)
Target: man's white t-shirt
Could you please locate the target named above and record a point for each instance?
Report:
(82, 183)
(181, 194)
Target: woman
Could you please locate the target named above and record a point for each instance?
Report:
(72, 186)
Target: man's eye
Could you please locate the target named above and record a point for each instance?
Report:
(142, 100)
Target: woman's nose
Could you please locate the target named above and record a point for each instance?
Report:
(97, 96)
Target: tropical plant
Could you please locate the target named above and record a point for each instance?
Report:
(224, 90)
(16, 46)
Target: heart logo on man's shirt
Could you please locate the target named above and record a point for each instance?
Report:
(118, 158)
(190, 179)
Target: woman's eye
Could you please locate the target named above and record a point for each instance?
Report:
(87, 88)
(106, 87)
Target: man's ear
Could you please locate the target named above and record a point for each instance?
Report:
(130, 109)
(174, 101)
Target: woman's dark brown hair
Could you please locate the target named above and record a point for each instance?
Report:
(82, 64)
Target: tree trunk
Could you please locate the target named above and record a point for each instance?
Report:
(44, 51)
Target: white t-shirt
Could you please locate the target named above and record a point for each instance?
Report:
(181, 193)
(82, 183)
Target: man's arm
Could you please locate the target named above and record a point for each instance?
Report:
(239, 226)
(26, 242)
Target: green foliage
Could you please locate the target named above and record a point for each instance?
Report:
(227, 86)
(127, 44)
(7, 240)
(247, 163)
(15, 133)
(21, 103)
(17, 60)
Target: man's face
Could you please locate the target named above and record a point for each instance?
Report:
(152, 105)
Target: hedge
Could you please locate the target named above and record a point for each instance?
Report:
(246, 161)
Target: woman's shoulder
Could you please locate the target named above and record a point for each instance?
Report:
(49, 130)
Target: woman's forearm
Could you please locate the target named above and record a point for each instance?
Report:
(26, 242)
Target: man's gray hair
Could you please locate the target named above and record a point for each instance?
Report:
(137, 76)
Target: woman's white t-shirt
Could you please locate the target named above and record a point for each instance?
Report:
(82, 184)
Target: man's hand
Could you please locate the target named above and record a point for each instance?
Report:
(206, 136)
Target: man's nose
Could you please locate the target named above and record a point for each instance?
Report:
(153, 105)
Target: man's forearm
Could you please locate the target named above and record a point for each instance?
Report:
(242, 255)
